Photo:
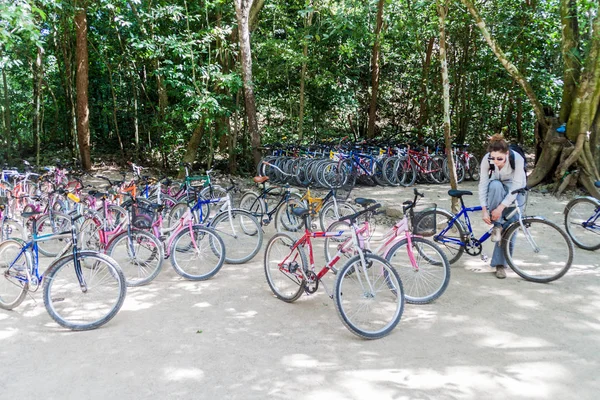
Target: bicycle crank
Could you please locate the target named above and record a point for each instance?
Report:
(312, 282)
(473, 247)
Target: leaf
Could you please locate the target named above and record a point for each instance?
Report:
(199, 331)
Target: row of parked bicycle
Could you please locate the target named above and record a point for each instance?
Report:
(119, 236)
(343, 165)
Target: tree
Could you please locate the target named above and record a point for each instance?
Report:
(375, 70)
(83, 111)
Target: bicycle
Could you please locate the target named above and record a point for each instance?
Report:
(582, 221)
(421, 264)
(543, 255)
(83, 300)
(365, 283)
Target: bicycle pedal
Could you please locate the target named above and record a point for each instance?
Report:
(266, 221)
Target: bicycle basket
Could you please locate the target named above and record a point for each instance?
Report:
(142, 214)
(3, 200)
(423, 219)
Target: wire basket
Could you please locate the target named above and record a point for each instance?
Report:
(423, 219)
(142, 214)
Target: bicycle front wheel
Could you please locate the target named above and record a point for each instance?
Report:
(241, 234)
(284, 267)
(85, 302)
(452, 237)
(542, 252)
(424, 269)
(369, 298)
(13, 274)
(198, 253)
(51, 224)
(139, 254)
(582, 221)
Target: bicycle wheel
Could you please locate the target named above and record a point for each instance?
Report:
(89, 235)
(428, 277)
(473, 168)
(452, 236)
(53, 223)
(11, 229)
(139, 254)
(329, 214)
(285, 219)
(333, 244)
(369, 299)
(460, 169)
(542, 253)
(407, 172)
(251, 202)
(198, 254)
(241, 234)
(436, 166)
(582, 221)
(91, 306)
(13, 275)
(285, 268)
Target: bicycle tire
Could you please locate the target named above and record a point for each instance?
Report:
(409, 172)
(579, 211)
(548, 264)
(11, 229)
(254, 204)
(62, 288)
(277, 251)
(473, 168)
(430, 279)
(248, 235)
(53, 223)
(13, 278)
(285, 219)
(452, 251)
(88, 236)
(388, 290)
(190, 257)
(332, 244)
(328, 214)
(139, 254)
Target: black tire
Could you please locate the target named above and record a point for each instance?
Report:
(332, 244)
(72, 307)
(580, 211)
(285, 269)
(242, 235)
(542, 253)
(328, 214)
(472, 168)
(409, 172)
(428, 279)
(285, 219)
(448, 242)
(53, 223)
(198, 259)
(139, 254)
(252, 203)
(353, 292)
(13, 277)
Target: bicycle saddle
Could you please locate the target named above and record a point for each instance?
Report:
(459, 193)
(300, 212)
(260, 179)
(361, 201)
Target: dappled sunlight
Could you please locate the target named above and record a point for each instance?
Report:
(8, 332)
(183, 374)
(304, 361)
(241, 315)
(202, 305)
(495, 338)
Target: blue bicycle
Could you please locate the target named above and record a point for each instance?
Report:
(582, 221)
(82, 290)
(535, 248)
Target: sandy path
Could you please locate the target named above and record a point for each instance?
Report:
(230, 338)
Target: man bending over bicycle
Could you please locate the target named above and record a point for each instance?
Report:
(502, 171)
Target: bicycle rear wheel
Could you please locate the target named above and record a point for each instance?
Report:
(284, 268)
(53, 223)
(92, 306)
(369, 298)
(139, 254)
(241, 234)
(450, 241)
(428, 278)
(197, 254)
(582, 221)
(542, 252)
(13, 276)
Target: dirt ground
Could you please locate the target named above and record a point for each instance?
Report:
(230, 338)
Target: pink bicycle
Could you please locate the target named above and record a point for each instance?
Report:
(421, 264)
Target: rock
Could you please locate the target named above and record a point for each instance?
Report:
(394, 211)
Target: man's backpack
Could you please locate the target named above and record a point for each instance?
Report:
(513, 148)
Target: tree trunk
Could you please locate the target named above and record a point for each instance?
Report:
(7, 122)
(569, 49)
(83, 112)
(303, 78)
(442, 13)
(375, 71)
(38, 76)
(242, 10)
(519, 120)
(192, 147)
